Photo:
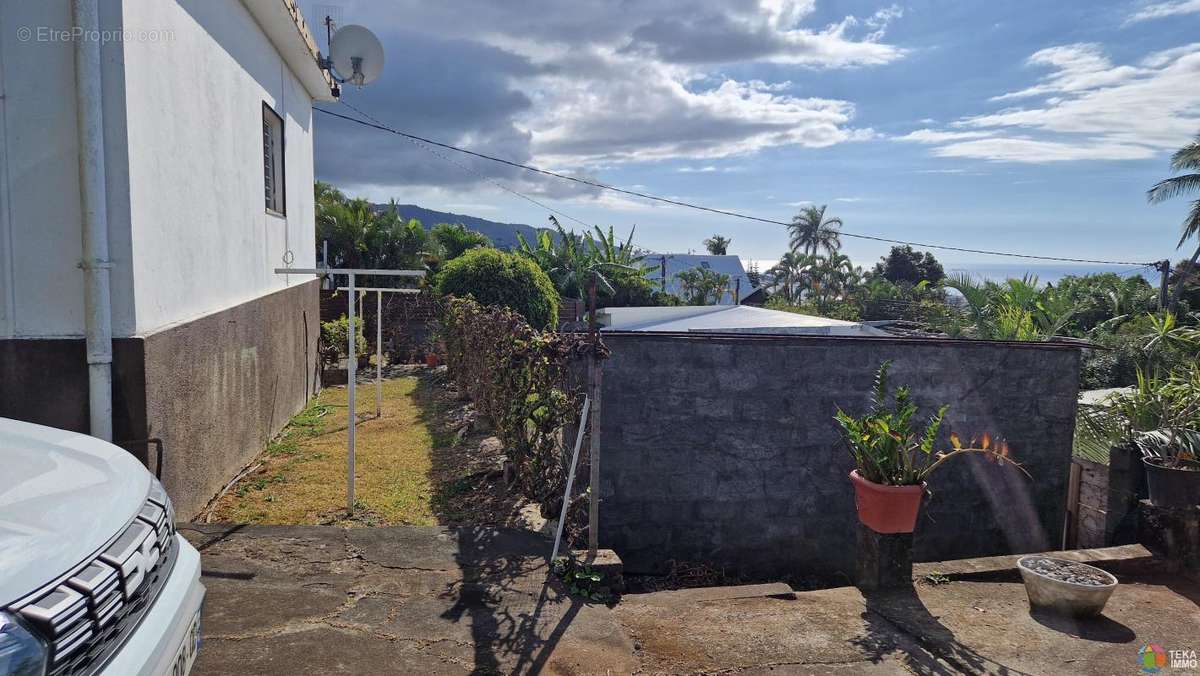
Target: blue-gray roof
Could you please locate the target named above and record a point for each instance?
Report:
(676, 263)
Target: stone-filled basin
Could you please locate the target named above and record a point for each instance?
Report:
(1075, 598)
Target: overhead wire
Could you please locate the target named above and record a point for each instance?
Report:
(679, 203)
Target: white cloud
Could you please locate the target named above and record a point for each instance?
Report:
(1161, 10)
(936, 136)
(1090, 109)
(590, 85)
(697, 170)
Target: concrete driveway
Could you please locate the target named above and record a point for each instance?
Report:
(410, 600)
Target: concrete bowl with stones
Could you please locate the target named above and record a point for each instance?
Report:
(1065, 587)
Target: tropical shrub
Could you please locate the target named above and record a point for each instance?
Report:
(335, 339)
(517, 376)
(493, 277)
(889, 449)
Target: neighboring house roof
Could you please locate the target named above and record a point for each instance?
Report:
(676, 263)
(285, 26)
(727, 319)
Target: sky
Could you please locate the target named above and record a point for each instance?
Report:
(1033, 127)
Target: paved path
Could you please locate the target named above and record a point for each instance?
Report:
(323, 600)
(404, 600)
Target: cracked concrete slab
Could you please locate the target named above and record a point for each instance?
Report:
(290, 600)
(394, 600)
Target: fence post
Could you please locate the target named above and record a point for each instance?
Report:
(378, 353)
(597, 372)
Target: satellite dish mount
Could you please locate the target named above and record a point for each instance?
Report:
(355, 50)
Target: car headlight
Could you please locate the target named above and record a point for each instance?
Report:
(21, 653)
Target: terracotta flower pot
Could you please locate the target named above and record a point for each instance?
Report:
(431, 359)
(886, 509)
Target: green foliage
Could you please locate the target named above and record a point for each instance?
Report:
(456, 239)
(844, 311)
(904, 264)
(1160, 416)
(574, 262)
(702, 286)
(335, 339)
(888, 448)
(361, 236)
(582, 580)
(493, 277)
(515, 374)
(717, 245)
(812, 232)
(1016, 309)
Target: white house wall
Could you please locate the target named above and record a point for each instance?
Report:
(41, 285)
(201, 237)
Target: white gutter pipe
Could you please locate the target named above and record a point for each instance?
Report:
(97, 298)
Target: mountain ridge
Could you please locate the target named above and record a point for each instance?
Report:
(503, 235)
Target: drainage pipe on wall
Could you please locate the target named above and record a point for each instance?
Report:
(93, 202)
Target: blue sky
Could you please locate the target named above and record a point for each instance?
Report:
(1026, 126)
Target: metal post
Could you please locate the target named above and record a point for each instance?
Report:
(1164, 267)
(737, 291)
(662, 283)
(594, 461)
(351, 378)
(378, 353)
(562, 514)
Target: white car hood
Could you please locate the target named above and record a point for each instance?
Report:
(63, 495)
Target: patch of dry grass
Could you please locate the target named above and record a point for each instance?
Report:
(302, 477)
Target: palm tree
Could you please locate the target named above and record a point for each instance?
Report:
(811, 231)
(717, 245)
(787, 274)
(1186, 158)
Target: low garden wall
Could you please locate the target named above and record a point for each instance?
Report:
(723, 449)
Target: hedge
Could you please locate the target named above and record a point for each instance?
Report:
(493, 277)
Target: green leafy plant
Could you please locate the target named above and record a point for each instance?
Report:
(582, 580)
(1160, 416)
(335, 340)
(516, 376)
(494, 277)
(889, 449)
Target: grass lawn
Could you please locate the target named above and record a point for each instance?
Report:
(302, 477)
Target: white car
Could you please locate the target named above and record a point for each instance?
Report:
(93, 577)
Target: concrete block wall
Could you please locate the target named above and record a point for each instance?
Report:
(723, 449)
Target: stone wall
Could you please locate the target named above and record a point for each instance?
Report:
(723, 450)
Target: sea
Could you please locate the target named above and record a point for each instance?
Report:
(1046, 272)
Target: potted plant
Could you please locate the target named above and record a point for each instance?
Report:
(1065, 587)
(431, 351)
(893, 458)
(1161, 418)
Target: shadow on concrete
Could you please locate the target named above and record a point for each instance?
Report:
(1100, 628)
(897, 622)
(517, 612)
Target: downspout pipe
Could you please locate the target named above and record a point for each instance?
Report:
(89, 101)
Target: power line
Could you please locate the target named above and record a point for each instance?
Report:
(698, 207)
(472, 170)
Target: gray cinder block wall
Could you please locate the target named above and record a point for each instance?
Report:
(723, 449)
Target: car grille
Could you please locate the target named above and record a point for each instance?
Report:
(87, 615)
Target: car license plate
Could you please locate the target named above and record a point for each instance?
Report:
(185, 655)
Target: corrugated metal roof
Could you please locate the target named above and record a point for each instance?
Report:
(728, 319)
(676, 263)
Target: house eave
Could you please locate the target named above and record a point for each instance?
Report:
(287, 30)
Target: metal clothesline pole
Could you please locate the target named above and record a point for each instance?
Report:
(378, 353)
(352, 361)
(379, 291)
(351, 386)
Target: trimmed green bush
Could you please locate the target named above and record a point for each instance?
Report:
(493, 277)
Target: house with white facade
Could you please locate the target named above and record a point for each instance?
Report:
(156, 166)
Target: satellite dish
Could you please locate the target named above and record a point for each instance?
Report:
(356, 54)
